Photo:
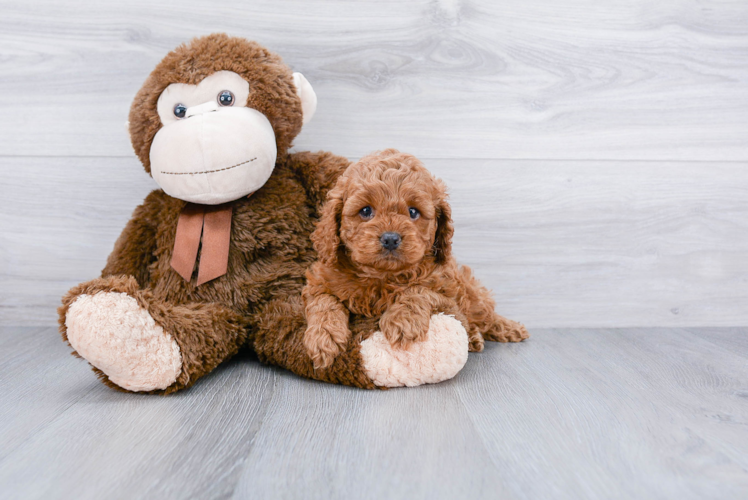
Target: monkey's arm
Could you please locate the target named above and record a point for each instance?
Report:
(134, 249)
(317, 173)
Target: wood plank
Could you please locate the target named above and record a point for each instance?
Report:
(40, 380)
(632, 413)
(444, 79)
(95, 442)
(60, 218)
(737, 344)
(577, 414)
(610, 244)
(583, 244)
(320, 441)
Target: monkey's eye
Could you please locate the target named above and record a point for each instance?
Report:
(414, 213)
(180, 110)
(226, 98)
(366, 213)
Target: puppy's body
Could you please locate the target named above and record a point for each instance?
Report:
(384, 244)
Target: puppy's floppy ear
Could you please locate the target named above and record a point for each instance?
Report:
(326, 236)
(444, 228)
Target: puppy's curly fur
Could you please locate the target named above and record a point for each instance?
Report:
(391, 192)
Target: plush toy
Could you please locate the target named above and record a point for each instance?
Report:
(215, 260)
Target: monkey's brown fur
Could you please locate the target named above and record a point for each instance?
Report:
(401, 288)
(257, 303)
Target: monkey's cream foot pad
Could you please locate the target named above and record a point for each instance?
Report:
(117, 336)
(440, 357)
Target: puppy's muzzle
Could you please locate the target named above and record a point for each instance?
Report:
(390, 241)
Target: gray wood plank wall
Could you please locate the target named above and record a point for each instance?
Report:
(596, 152)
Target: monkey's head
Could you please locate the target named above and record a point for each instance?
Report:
(212, 118)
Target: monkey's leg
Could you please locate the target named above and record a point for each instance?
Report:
(369, 360)
(138, 342)
(277, 335)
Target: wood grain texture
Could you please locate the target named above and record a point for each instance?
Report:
(600, 401)
(577, 414)
(444, 79)
(583, 244)
(52, 402)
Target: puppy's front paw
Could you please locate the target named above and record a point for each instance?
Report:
(324, 342)
(402, 326)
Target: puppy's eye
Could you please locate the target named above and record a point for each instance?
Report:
(226, 98)
(180, 110)
(366, 212)
(414, 213)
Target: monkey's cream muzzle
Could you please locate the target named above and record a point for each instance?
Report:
(214, 155)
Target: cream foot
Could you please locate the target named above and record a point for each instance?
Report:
(113, 333)
(440, 357)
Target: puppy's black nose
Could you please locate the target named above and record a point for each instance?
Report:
(390, 241)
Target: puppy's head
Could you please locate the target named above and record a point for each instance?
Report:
(386, 212)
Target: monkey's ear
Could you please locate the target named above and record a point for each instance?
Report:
(308, 98)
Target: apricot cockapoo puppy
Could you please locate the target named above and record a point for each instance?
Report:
(384, 245)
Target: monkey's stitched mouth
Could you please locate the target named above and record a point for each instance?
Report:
(209, 171)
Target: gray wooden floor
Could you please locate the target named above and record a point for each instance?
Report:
(616, 413)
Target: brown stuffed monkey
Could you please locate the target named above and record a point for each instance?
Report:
(215, 260)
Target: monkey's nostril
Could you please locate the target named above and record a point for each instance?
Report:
(390, 241)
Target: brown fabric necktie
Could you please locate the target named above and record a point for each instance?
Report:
(213, 222)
